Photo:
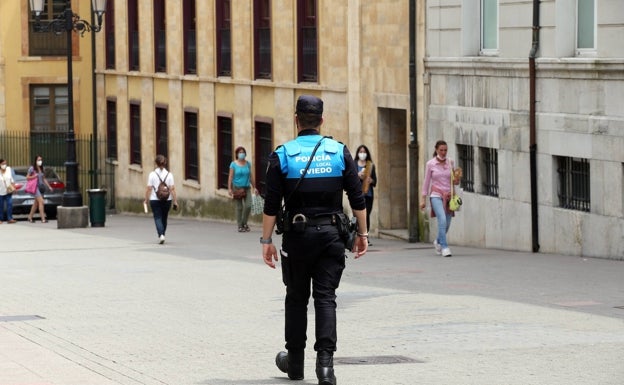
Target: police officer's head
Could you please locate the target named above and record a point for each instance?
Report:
(309, 112)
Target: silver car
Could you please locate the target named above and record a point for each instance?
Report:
(22, 201)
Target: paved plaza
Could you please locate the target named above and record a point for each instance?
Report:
(109, 306)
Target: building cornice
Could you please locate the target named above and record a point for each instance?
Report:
(225, 80)
(574, 68)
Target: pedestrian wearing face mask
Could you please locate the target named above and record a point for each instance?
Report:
(437, 185)
(36, 171)
(368, 177)
(7, 186)
(241, 179)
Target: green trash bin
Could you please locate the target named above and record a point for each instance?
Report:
(97, 207)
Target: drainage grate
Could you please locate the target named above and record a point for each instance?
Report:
(17, 318)
(375, 360)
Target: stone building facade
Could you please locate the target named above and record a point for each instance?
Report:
(362, 52)
(478, 99)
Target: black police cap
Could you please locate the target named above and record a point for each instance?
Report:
(308, 104)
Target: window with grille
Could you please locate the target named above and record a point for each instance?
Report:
(224, 149)
(489, 26)
(262, 39)
(263, 148)
(162, 131)
(135, 133)
(111, 129)
(160, 37)
(307, 42)
(133, 35)
(466, 162)
(489, 158)
(191, 146)
(47, 44)
(190, 39)
(224, 38)
(574, 187)
(109, 27)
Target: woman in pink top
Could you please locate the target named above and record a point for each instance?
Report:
(437, 185)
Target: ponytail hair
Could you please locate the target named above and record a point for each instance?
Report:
(438, 144)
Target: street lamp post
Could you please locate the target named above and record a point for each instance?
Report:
(67, 22)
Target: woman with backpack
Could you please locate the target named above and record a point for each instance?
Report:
(160, 193)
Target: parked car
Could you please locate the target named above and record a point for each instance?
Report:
(22, 201)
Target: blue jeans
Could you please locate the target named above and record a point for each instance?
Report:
(444, 220)
(8, 201)
(160, 209)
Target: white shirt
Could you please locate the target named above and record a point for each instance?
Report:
(5, 180)
(153, 181)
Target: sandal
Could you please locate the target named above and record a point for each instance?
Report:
(44, 221)
(30, 220)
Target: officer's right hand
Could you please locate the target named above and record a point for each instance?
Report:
(360, 247)
(269, 254)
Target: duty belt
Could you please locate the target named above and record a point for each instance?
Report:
(314, 221)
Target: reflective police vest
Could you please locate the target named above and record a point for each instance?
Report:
(328, 161)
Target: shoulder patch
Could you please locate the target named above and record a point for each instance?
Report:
(292, 148)
(331, 146)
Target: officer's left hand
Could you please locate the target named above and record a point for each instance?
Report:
(360, 247)
(269, 254)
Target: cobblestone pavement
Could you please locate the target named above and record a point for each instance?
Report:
(107, 306)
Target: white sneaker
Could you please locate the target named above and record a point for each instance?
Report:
(437, 246)
(446, 252)
(162, 239)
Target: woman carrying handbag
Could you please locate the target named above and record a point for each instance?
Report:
(241, 186)
(7, 186)
(438, 184)
(36, 172)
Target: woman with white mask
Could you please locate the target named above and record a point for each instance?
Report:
(7, 186)
(368, 177)
(36, 171)
(241, 177)
(437, 185)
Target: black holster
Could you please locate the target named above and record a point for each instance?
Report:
(347, 228)
(282, 222)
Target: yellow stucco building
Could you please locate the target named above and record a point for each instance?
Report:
(31, 59)
(195, 79)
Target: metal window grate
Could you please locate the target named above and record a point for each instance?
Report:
(111, 129)
(574, 178)
(490, 163)
(466, 162)
(191, 150)
(135, 133)
(224, 146)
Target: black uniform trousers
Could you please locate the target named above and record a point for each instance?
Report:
(316, 256)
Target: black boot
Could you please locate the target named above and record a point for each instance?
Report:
(290, 363)
(325, 368)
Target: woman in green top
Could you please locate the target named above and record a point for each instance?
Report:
(241, 177)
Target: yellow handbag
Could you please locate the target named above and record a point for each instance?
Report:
(455, 202)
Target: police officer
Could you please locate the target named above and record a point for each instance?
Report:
(312, 248)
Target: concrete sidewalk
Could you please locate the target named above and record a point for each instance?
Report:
(103, 306)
